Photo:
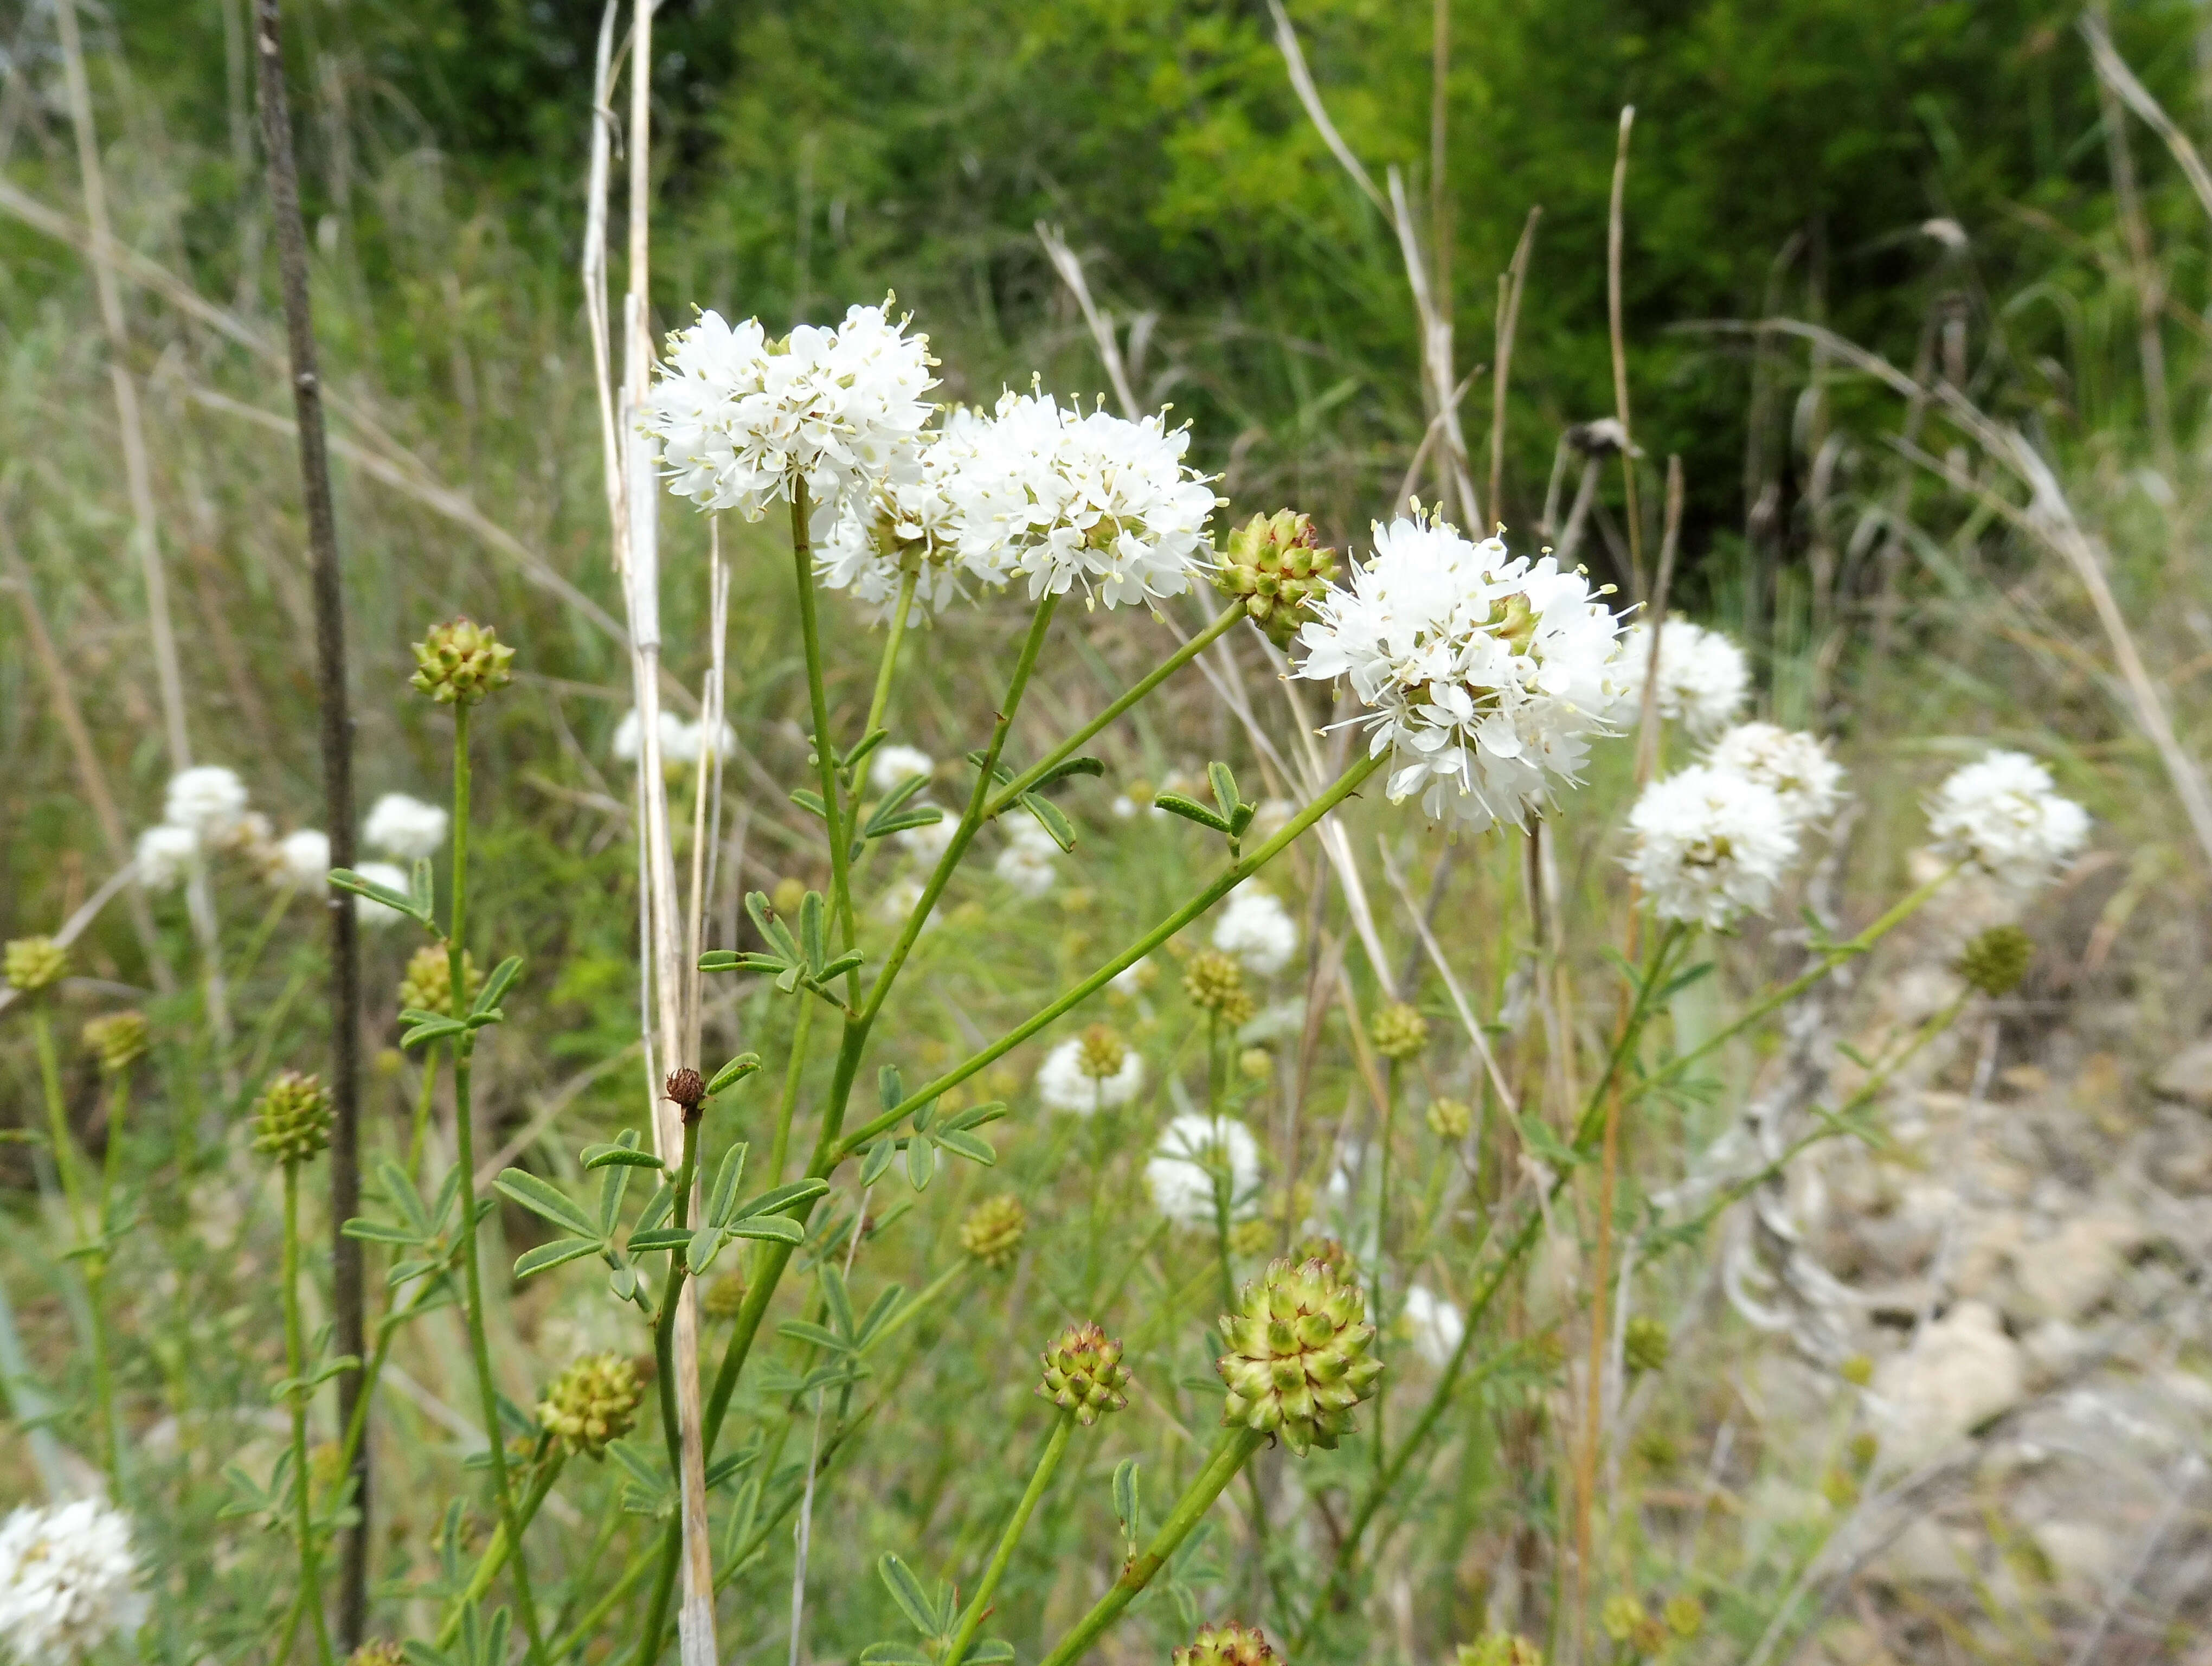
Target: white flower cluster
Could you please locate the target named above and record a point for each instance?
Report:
(682, 744)
(1258, 931)
(404, 827)
(67, 1581)
(1484, 675)
(1796, 765)
(1710, 844)
(2003, 814)
(1030, 862)
(1063, 1084)
(1432, 1324)
(1194, 1155)
(738, 414)
(1030, 491)
(1703, 679)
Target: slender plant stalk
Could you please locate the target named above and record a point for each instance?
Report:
(1159, 674)
(979, 1606)
(349, 1296)
(86, 1229)
(1392, 1091)
(900, 612)
(419, 1136)
(95, 1280)
(663, 1353)
(825, 749)
(787, 1107)
(57, 1132)
(296, 1366)
(495, 1554)
(1231, 1454)
(464, 1142)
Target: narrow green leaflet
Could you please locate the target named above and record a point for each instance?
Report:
(542, 1198)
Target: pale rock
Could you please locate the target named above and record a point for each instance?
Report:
(2187, 1076)
(2085, 1557)
(1963, 1370)
(1926, 1554)
(2055, 1347)
(2069, 1272)
(1984, 1247)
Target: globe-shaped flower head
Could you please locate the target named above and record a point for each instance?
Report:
(1297, 1361)
(1796, 766)
(118, 1041)
(594, 1402)
(1703, 679)
(1279, 567)
(292, 1122)
(2003, 815)
(34, 965)
(1709, 845)
(1228, 1645)
(994, 1230)
(459, 663)
(67, 1581)
(1084, 1373)
(1484, 675)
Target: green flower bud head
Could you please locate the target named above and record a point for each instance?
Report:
(1255, 1236)
(1100, 1053)
(1084, 1373)
(1646, 1345)
(1256, 1064)
(427, 983)
(378, 1651)
(1500, 1649)
(118, 1041)
(1997, 960)
(1451, 1119)
(1215, 983)
(1276, 564)
(33, 963)
(1685, 1615)
(1330, 1253)
(590, 1403)
(1297, 1360)
(1227, 1644)
(723, 1298)
(459, 663)
(292, 1120)
(1399, 1032)
(993, 1232)
(1623, 1616)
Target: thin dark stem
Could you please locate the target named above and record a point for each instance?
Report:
(296, 1366)
(348, 1298)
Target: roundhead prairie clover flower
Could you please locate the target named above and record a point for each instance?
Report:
(1796, 765)
(33, 963)
(459, 662)
(367, 910)
(208, 799)
(1432, 1324)
(67, 1581)
(1484, 675)
(592, 1402)
(1068, 500)
(738, 414)
(1995, 961)
(1227, 1644)
(1029, 863)
(301, 858)
(118, 1041)
(404, 827)
(907, 524)
(1196, 1155)
(1703, 679)
(1084, 1373)
(891, 764)
(1215, 983)
(1297, 1360)
(1451, 1119)
(292, 1120)
(994, 1230)
(426, 985)
(1709, 845)
(2002, 815)
(1094, 1071)
(1257, 930)
(163, 856)
(1645, 1345)
(1400, 1032)
(1279, 567)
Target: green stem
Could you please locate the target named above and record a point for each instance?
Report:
(787, 1107)
(663, 1353)
(464, 1143)
(1159, 674)
(581, 1633)
(881, 697)
(251, 960)
(50, 1078)
(1230, 1453)
(979, 1607)
(1227, 881)
(494, 1555)
(817, 694)
(296, 1366)
(1392, 1092)
(95, 1269)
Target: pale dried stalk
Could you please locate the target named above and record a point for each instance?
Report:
(1511, 285)
(633, 503)
(137, 475)
(2113, 70)
(1615, 237)
(1064, 262)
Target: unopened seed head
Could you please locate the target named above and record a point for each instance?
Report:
(459, 662)
(1500, 1649)
(35, 963)
(1101, 1052)
(594, 1402)
(687, 1090)
(1084, 1373)
(994, 1229)
(1297, 1360)
(1278, 565)
(427, 983)
(724, 1298)
(1646, 1345)
(378, 1651)
(292, 1120)
(1451, 1119)
(1399, 1032)
(1228, 1645)
(1255, 1236)
(118, 1041)
(1996, 960)
(1215, 983)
